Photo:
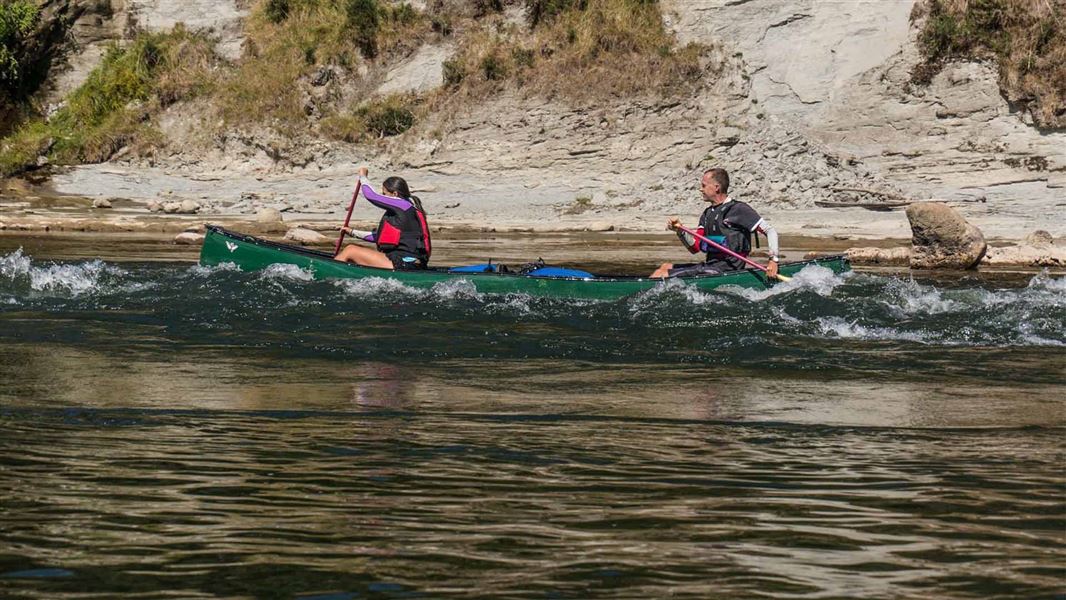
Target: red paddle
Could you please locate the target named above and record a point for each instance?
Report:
(348, 219)
(729, 252)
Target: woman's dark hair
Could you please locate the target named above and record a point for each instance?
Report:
(398, 186)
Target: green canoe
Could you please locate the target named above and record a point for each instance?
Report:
(251, 254)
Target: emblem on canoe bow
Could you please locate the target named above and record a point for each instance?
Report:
(231, 246)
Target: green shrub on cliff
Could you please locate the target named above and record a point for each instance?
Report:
(290, 41)
(110, 110)
(1026, 38)
(17, 21)
(385, 117)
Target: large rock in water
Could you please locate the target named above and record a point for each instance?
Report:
(941, 238)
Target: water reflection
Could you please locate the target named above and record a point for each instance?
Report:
(213, 379)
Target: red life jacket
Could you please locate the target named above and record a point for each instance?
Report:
(404, 231)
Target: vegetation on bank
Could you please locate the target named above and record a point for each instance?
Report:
(579, 50)
(18, 22)
(311, 67)
(1026, 38)
(112, 109)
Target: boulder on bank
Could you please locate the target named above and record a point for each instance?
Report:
(1039, 238)
(306, 237)
(101, 203)
(1038, 250)
(188, 238)
(879, 256)
(268, 215)
(941, 238)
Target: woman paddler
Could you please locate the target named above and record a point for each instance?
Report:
(402, 237)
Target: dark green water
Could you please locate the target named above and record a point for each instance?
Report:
(178, 432)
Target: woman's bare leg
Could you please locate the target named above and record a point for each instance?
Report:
(364, 256)
(663, 271)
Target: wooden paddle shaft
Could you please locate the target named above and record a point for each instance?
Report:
(348, 219)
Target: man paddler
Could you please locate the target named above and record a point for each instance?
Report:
(727, 222)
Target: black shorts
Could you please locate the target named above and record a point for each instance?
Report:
(711, 267)
(402, 261)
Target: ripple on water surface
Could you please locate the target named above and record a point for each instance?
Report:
(268, 504)
(204, 432)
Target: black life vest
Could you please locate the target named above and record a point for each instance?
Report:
(404, 231)
(737, 238)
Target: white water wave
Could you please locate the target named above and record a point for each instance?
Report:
(204, 270)
(1051, 288)
(843, 328)
(376, 288)
(815, 278)
(73, 278)
(456, 289)
(14, 265)
(667, 291)
(285, 272)
(908, 297)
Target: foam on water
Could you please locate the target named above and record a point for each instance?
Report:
(842, 328)
(456, 289)
(814, 278)
(816, 305)
(908, 297)
(666, 294)
(204, 270)
(72, 279)
(14, 265)
(284, 272)
(375, 288)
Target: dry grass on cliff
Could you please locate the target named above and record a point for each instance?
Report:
(587, 50)
(289, 41)
(111, 110)
(310, 67)
(1027, 39)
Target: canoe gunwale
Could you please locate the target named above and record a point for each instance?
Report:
(598, 278)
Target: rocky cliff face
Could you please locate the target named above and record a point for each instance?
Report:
(838, 74)
(804, 100)
(93, 24)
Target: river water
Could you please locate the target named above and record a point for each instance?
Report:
(176, 431)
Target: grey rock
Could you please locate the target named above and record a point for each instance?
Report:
(188, 238)
(1039, 238)
(268, 215)
(879, 256)
(321, 77)
(101, 203)
(942, 238)
(1027, 255)
(599, 226)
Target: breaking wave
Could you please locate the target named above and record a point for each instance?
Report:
(72, 279)
(817, 313)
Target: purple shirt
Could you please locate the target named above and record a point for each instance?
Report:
(388, 203)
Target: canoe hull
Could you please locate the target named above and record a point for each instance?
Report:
(252, 254)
